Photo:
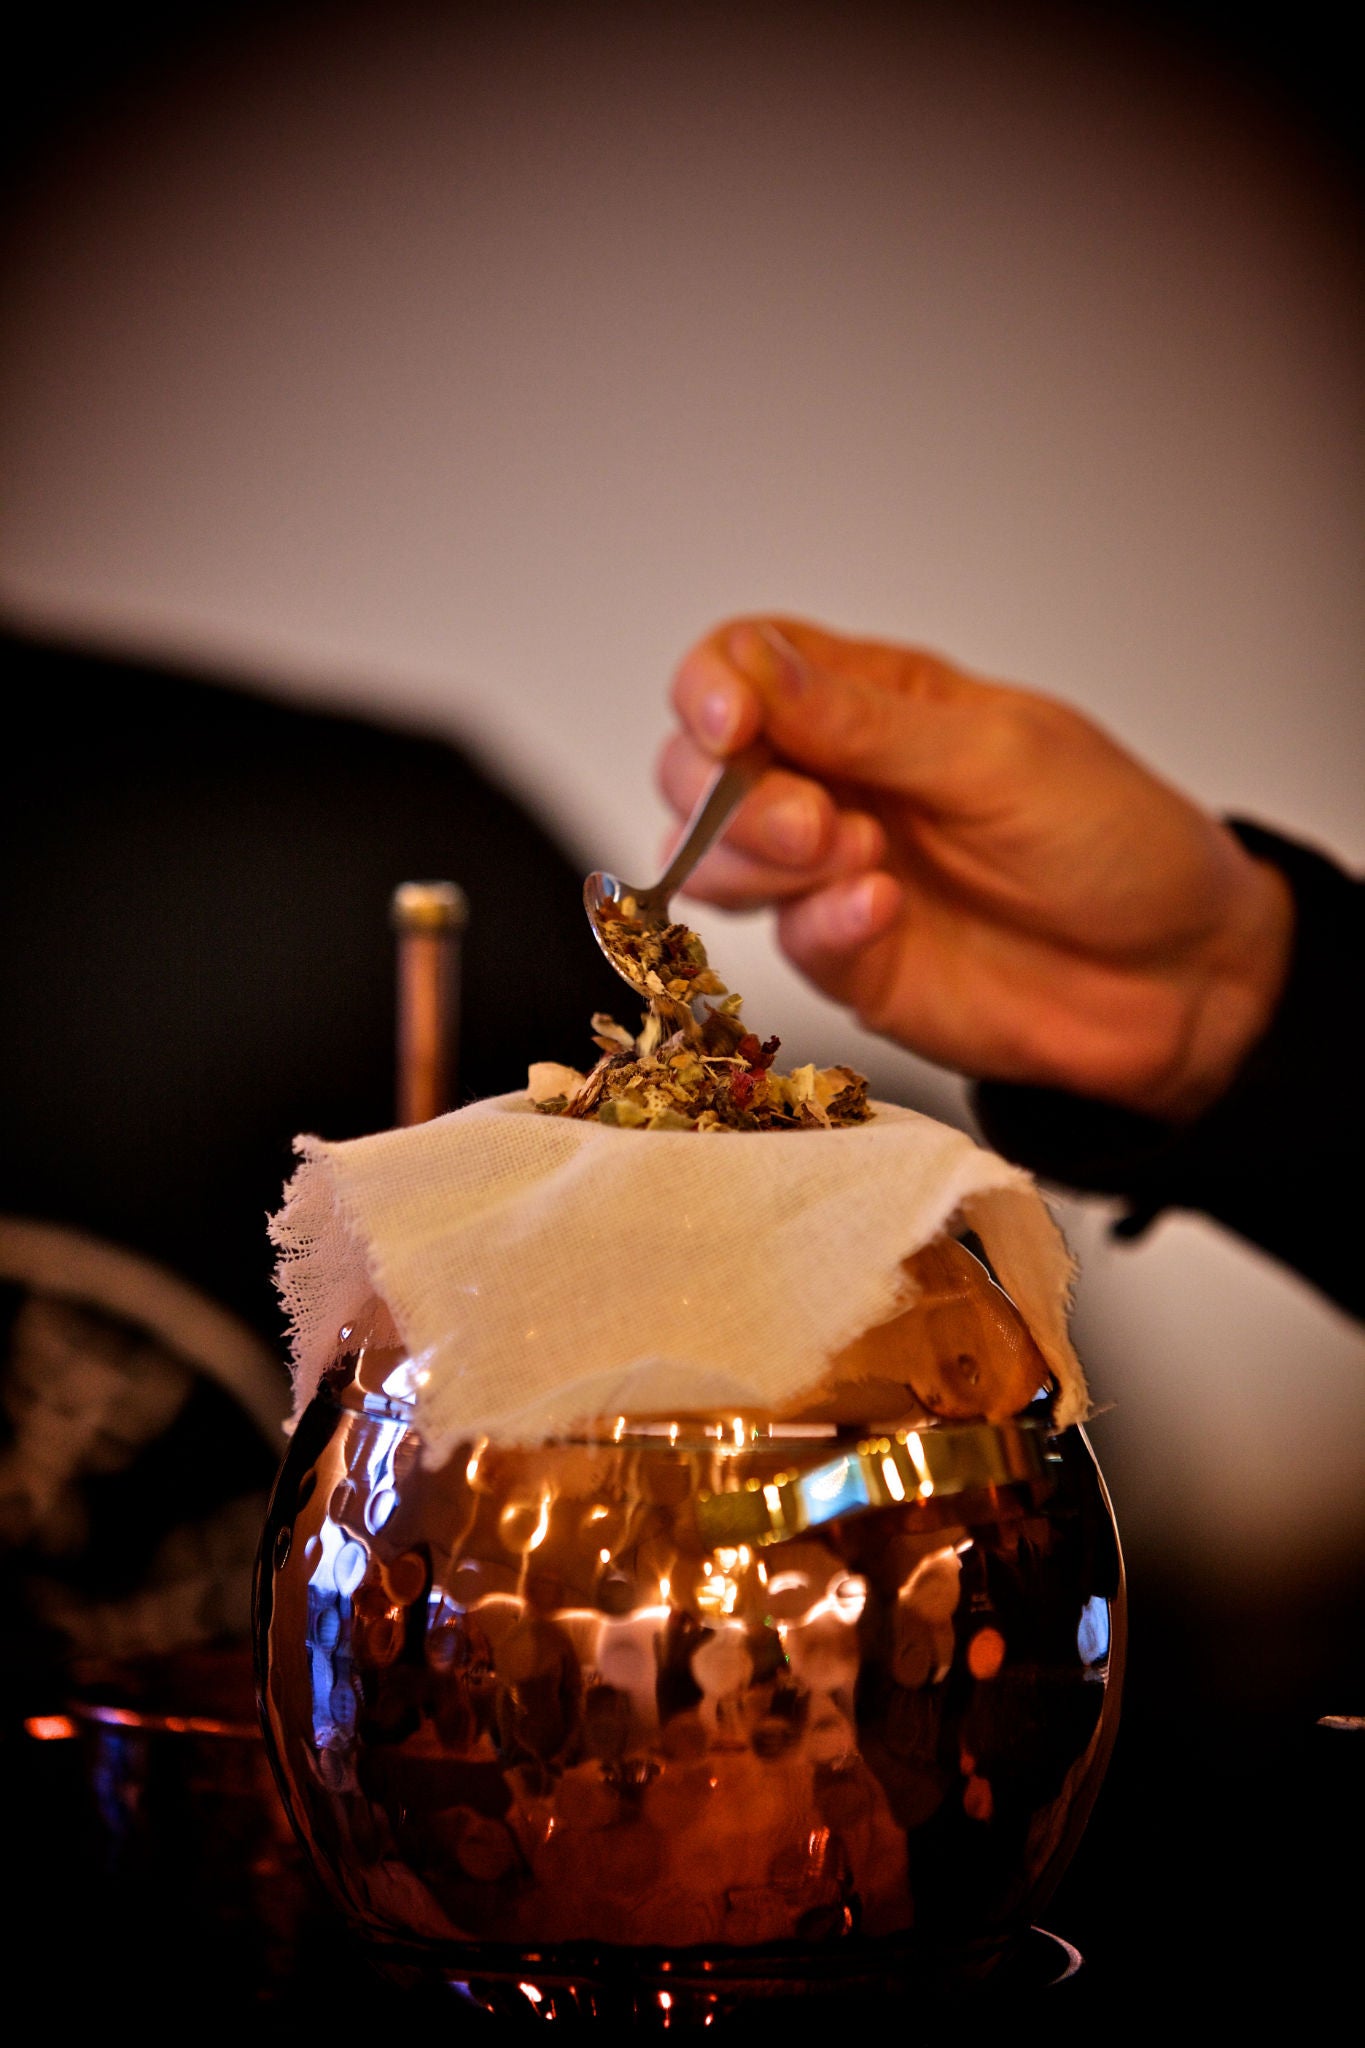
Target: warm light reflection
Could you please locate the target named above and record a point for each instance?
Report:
(933, 1588)
(50, 1728)
(895, 1485)
(918, 1460)
(409, 1376)
(986, 1653)
(719, 1595)
(471, 1470)
(537, 1536)
(849, 1597)
(844, 1601)
(514, 1516)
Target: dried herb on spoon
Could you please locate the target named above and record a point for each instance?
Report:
(688, 1072)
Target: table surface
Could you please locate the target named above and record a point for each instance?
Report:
(1229, 1888)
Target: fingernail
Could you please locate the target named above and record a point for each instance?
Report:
(768, 658)
(718, 715)
(854, 910)
(792, 828)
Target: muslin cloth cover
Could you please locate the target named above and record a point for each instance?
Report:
(544, 1272)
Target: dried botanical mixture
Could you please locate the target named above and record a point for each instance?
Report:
(685, 1072)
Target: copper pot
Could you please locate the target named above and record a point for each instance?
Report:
(683, 1713)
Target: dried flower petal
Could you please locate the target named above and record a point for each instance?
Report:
(546, 1080)
(688, 1072)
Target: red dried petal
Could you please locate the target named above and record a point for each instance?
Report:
(743, 1087)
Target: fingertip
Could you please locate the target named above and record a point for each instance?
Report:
(719, 708)
(851, 913)
(794, 827)
(720, 716)
(859, 842)
(866, 907)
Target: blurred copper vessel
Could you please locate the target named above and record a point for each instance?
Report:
(429, 919)
(687, 1712)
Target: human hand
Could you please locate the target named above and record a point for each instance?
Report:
(980, 873)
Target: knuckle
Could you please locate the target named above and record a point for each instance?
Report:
(860, 720)
(1016, 737)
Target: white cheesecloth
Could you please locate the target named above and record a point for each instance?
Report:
(543, 1271)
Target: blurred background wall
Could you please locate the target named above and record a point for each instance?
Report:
(465, 365)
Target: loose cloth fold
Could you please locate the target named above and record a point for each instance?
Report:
(543, 1272)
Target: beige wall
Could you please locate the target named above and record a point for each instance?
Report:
(468, 372)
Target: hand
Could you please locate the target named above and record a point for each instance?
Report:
(980, 873)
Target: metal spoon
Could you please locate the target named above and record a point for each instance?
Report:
(607, 897)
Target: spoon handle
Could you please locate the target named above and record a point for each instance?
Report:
(716, 806)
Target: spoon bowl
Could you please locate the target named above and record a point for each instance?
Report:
(644, 910)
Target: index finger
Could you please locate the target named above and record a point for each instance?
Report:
(720, 709)
(867, 713)
(731, 683)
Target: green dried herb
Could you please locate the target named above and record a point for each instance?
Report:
(687, 1069)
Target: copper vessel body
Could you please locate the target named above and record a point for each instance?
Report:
(575, 1729)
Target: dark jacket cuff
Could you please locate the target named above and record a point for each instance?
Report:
(1274, 1157)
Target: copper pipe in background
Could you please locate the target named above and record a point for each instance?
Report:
(429, 919)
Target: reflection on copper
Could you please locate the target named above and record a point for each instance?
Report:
(917, 1459)
(986, 1653)
(167, 1724)
(653, 1740)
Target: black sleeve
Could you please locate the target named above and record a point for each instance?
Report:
(1276, 1158)
(196, 959)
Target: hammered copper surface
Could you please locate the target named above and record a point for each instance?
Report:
(520, 1705)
